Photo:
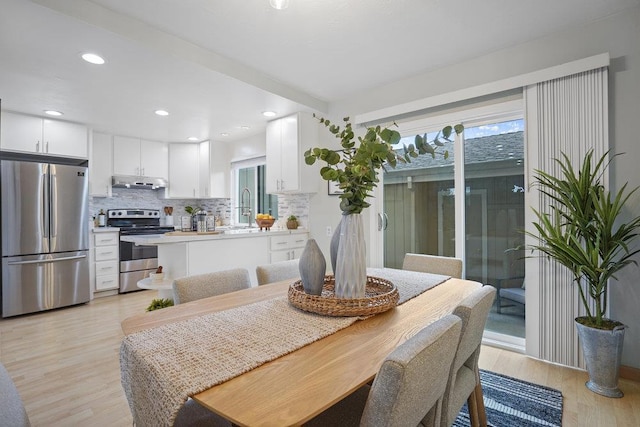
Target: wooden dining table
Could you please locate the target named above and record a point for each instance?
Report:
(295, 387)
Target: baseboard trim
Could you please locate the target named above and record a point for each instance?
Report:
(630, 373)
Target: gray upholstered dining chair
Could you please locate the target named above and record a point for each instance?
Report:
(409, 386)
(277, 271)
(464, 382)
(434, 264)
(192, 414)
(191, 288)
(12, 412)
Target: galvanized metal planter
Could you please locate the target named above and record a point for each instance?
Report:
(603, 354)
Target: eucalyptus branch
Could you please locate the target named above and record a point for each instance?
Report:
(355, 168)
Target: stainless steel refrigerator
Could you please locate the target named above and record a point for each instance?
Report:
(45, 236)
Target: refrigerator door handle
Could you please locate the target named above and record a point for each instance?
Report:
(45, 208)
(53, 205)
(386, 220)
(41, 261)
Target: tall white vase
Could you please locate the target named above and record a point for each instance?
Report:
(351, 269)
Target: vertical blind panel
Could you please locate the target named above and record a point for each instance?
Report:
(572, 118)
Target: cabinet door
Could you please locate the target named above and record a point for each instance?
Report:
(21, 133)
(274, 156)
(204, 170)
(183, 170)
(65, 139)
(126, 156)
(279, 256)
(154, 159)
(289, 155)
(101, 165)
(219, 171)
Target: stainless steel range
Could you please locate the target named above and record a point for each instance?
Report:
(136, 261)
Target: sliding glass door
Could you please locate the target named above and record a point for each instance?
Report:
(494, 218)
(481, 222)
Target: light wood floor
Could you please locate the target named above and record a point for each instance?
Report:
(65, 365)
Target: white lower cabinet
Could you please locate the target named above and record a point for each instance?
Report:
(206, 254)
(287, 247)
(106, 254)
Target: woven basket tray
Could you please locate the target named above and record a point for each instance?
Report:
(380, 296)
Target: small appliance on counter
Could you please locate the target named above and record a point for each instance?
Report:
(136, 261)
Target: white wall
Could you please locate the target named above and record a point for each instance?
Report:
(248, 148)
(620, 36)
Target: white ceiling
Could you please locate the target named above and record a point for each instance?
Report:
(215, 65)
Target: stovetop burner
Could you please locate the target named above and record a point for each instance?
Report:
(136, 221)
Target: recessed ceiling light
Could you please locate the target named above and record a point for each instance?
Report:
(224, 134)
(162, 112)
(279, 4)
(53, 112)
(269, 113)
(93, 58)
(244, 127)
(192, 138)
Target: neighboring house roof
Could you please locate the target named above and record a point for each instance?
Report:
(494, 148)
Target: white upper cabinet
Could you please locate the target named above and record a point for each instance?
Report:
(214, 170)
(126, 156)
(139, 157)
(154, 158)
(204, 170)
(184, 160)
(31, 134)
(101, 165)
(287, 140)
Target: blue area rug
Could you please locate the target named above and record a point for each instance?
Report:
(510, 402)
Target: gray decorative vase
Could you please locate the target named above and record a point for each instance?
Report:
(312, 266)
(603, 354)
(351, 267)
(333, 247)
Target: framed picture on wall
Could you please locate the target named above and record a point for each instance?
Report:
(333, 189)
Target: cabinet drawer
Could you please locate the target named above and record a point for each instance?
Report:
(279, 243)
(105, 239)
(106, 253)
(107, 267)
(107, 282)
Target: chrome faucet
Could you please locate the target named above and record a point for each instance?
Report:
(245, 210)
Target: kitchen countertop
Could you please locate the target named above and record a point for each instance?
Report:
(160, 239)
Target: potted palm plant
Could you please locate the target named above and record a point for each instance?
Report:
(355, 170)
(583, 233)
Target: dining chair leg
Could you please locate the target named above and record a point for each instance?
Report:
(481, 411)
(472, 406)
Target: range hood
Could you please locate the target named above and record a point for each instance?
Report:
(146, 182)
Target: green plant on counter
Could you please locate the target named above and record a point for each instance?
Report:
(292, 218)
(159, 303)
(192, 210)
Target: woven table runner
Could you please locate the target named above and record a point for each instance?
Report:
(161, 367)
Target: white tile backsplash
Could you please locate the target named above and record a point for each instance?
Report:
(128, 198)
